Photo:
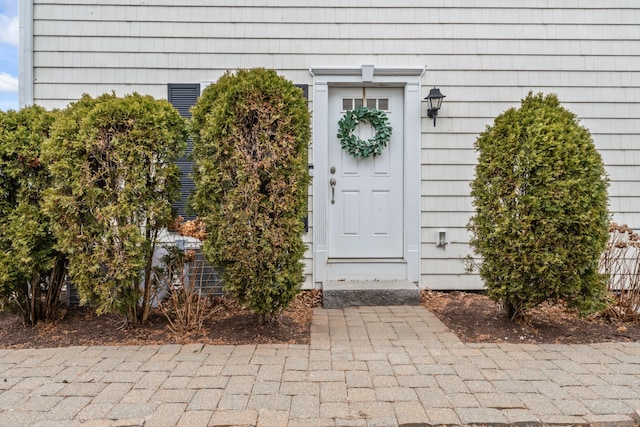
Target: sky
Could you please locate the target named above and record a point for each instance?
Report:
(9, 54)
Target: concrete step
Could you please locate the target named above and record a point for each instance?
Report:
(356, 293)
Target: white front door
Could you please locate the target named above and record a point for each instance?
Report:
(365, 218)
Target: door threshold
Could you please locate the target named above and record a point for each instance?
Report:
(366, 260)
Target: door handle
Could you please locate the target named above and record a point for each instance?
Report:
(332, 183)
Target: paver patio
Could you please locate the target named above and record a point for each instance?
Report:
(365, 366)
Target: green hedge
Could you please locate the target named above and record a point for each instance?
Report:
(31, 269)
(112, 161)
(541, 208)
(251, 134)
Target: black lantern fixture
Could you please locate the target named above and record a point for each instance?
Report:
(435, 101)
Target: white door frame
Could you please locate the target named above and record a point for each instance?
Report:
(368, 75)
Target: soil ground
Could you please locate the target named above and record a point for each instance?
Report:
(475, 318)
(472, 316)
(231, 324)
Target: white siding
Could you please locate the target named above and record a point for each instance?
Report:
(484, 56)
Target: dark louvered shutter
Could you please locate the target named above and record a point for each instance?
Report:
(305, 90)
(183, 96)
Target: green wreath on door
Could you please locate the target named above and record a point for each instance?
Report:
(356, 146)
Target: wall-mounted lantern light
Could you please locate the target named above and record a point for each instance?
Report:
(435, 101)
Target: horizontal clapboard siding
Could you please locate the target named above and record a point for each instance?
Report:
(484, 56)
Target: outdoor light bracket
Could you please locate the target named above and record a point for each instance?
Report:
(434, 99)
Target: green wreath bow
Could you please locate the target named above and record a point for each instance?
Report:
(356, 146)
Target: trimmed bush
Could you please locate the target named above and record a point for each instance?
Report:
(114, 179)
(251, 134)
(32, 271)
(541, 217)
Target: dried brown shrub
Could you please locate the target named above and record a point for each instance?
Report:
(620, 262)
(181, 297)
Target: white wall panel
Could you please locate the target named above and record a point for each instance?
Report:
(445, 156)
(449, 203)
(632, 219)
(445, 188)
(448, 172)
(485, 57)
(444, 219)
(464, 281)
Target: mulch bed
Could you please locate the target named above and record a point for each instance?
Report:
(231, 324)
(475, 318)
(471, 316)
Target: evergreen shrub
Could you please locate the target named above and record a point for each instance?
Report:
(251, 133)
(112, 161)
(541, 209)
(32, 271)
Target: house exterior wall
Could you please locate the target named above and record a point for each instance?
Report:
(484, 56)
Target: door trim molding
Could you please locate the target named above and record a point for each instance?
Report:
(407, 78)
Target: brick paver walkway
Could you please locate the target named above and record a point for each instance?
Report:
(367, 366)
